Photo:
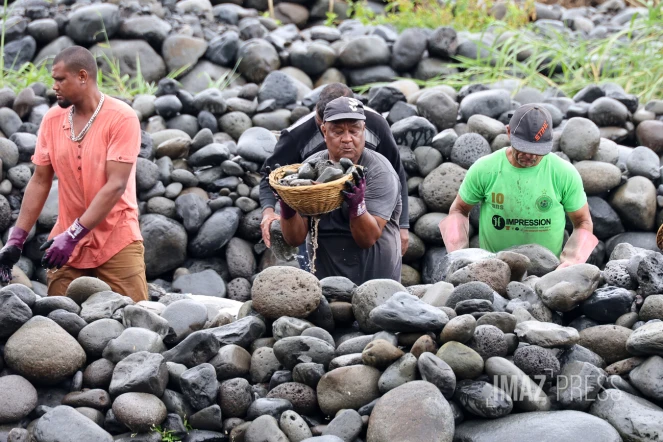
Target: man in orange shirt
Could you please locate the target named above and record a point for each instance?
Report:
(91, 142)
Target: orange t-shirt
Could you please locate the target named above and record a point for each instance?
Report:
(81, 171)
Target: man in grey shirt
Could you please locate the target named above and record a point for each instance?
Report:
(361, 239)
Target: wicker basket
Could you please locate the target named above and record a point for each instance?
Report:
(309, 200)
(659, 237)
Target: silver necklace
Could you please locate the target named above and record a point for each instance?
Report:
(87, 126)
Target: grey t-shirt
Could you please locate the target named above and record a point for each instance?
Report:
(338, 254)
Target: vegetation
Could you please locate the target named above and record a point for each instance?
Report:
(632, 58)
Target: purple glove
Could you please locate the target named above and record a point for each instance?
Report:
(62, 246)
(354, 196)
(11, 253)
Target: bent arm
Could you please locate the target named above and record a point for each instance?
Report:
(35, 197)
(294, 230)
(367, 229)
(582, 219)
(456, 226)
(117, 177)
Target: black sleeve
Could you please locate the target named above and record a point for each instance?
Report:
(389, 150)
(286, 152)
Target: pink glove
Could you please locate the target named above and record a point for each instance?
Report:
(11, 253)
(354, 196)
(455, 232)
(62, 246)
(578, 248)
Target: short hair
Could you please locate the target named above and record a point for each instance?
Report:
(76, 58)
(331, 92)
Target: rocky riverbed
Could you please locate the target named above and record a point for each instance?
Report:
(236, 344)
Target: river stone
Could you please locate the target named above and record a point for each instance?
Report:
(646, 340)
(527, 427)
(525, 393)
(263, 365)
(546, 334)
(230, 362)
(141, 372)
(580, 139)
(139, 411)
(165, 244)
(537, 362)
(285, 291)
(17, 398)
(95, 336)
(542, 260)
(401, 371)
(459, 329)
(578, 385)
(264, 429)
(465, 362)
(646, 269)
(491, 103)
(215, 233)
(562, 290)
(635, 418)
(199, 386)
(607, 304)
(635, 202)
(488, 341)
(13, 314)
(414, 411)
(43, 352)
(598, 177)
(209, 418)
(370, 295)
(302, 397)
(364, 51)
(493, 272)
(83, 287)
(648, 378)
(142, 318)
(607, 341)
(65, 424)
(184, 317)
(407, 313)
(235, 397)
(93, 23)
(347, 387)
(268, 406)
(440, 187)
(293, 350)
(483, 399)
(413, 132)
(133, 340)
(103, 305)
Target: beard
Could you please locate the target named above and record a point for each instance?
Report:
(64, 103)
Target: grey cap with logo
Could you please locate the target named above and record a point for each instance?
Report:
(531, 129)
(344, 108)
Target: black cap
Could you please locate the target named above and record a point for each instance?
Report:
(531, 129)
(344, 108)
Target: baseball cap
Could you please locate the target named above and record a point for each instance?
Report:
(344, 108)
(531, 129)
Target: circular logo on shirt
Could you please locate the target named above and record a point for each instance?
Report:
(544, 203)
(498, 222)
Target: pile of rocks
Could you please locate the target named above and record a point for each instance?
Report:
(504, 347)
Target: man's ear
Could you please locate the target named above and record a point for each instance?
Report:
(82, 76)
(508, 131)
(323, 128)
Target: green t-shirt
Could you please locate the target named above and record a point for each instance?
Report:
(522, 205)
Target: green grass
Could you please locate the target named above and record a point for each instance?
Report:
(632, 58)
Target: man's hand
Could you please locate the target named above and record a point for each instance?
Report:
(62, 246)
(268, 217)
(354, 196)
(11, 253)
(405, 241)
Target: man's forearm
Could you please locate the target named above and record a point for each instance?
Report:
(365, 230)
(294, 230)
(404, 221)
(101, 205)
(34, 199)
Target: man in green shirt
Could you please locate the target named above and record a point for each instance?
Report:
(524, 194)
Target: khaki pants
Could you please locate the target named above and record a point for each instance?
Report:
(124, 273)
